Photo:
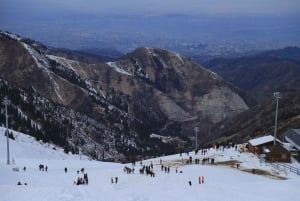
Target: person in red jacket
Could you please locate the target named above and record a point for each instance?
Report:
(202, 179)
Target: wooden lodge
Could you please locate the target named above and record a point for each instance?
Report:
(258, 145)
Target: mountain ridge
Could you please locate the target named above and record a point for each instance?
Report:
(119, 104)
(261, 74)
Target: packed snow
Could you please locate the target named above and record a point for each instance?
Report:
(13, 36)
(118, 68)
(180, 58)
(65, 62)
(222, 182)
(42, 62)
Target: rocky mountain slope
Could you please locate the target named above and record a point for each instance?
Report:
(260, 76)
(259, 121)
(109, 110)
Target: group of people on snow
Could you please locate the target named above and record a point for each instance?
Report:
(83, 180)
(201, 179)
(43, 167)
(114, 180)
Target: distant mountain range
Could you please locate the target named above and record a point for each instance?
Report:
(291, 53)
(262, 74)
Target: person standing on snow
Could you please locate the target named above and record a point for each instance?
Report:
(202, 179)
(86, 179)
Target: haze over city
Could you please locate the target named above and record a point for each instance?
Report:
(189, 27)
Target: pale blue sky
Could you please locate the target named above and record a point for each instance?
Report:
(154, 6)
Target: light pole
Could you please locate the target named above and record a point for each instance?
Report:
(196, 130)
(277, 96)
(6, 131)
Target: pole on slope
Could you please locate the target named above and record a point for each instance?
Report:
(196, 143)
(6, 131)
(277, 96)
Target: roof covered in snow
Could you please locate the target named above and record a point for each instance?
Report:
(261, 140)
(293, 137)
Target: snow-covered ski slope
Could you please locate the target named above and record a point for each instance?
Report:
(222, 182)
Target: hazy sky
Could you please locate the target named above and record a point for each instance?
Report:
(153, 6)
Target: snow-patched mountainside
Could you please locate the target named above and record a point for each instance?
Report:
(221, 182)
(117, 104)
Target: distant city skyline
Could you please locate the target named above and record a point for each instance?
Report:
(181, 25)
(151, 6)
